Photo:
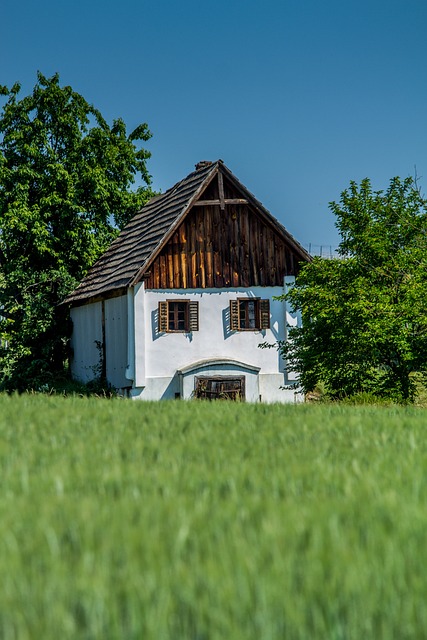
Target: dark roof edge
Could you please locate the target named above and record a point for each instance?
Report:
(108, 294)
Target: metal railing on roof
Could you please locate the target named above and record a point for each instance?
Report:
(327, 251)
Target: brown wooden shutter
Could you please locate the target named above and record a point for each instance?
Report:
(264, 314)
(234, 315)
(163, 316)
(193, 315)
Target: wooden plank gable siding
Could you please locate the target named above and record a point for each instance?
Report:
(219, 249)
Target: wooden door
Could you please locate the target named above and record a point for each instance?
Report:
(220, 388)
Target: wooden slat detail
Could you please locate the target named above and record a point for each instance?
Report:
(193, 315)
(183, 255)
(193, 275)
(234, 315)
(208, 247)
(155, 278)
(272, 256)
(162, 270)
(171, 281)
(264, 312)
(224, 249)
(244, 249)
(207, 203)
(234, 247)
(201, 248)
(217, 247)
(254, 256)
(221, 191)
(262, 256)
(163, 316)
(175, 259)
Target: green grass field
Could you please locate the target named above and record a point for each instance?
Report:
(203, 521)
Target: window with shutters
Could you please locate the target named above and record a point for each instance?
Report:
(178, 316)
(249, 314)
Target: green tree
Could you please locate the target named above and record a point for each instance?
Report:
(66, 180)
(364, 315)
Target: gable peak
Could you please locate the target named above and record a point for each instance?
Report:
(203, 164)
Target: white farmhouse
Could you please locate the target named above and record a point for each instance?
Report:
(180, 302)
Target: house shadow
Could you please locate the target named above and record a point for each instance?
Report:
(155, 333)
(173, 390)
(226, 323)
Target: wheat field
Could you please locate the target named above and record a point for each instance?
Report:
(211, 521)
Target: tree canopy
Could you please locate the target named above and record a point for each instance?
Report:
(364, 320)
(66, 180)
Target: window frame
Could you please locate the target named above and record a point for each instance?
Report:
(173, 316)
(262, 313)
(191, 315)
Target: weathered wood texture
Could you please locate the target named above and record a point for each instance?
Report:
(217, 249)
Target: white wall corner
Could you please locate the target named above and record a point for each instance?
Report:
(293, 316)
(140, 337)
(130, 369)
(292, 319)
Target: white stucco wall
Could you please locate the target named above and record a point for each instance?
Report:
(116, 337)
(87, 338)
(138, 355)
(158, 356)
(167, 352)
(87, 332)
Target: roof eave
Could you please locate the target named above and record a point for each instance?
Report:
(77, 301)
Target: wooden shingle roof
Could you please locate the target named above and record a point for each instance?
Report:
(131, 253)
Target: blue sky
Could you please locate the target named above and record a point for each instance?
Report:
(298, 97)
